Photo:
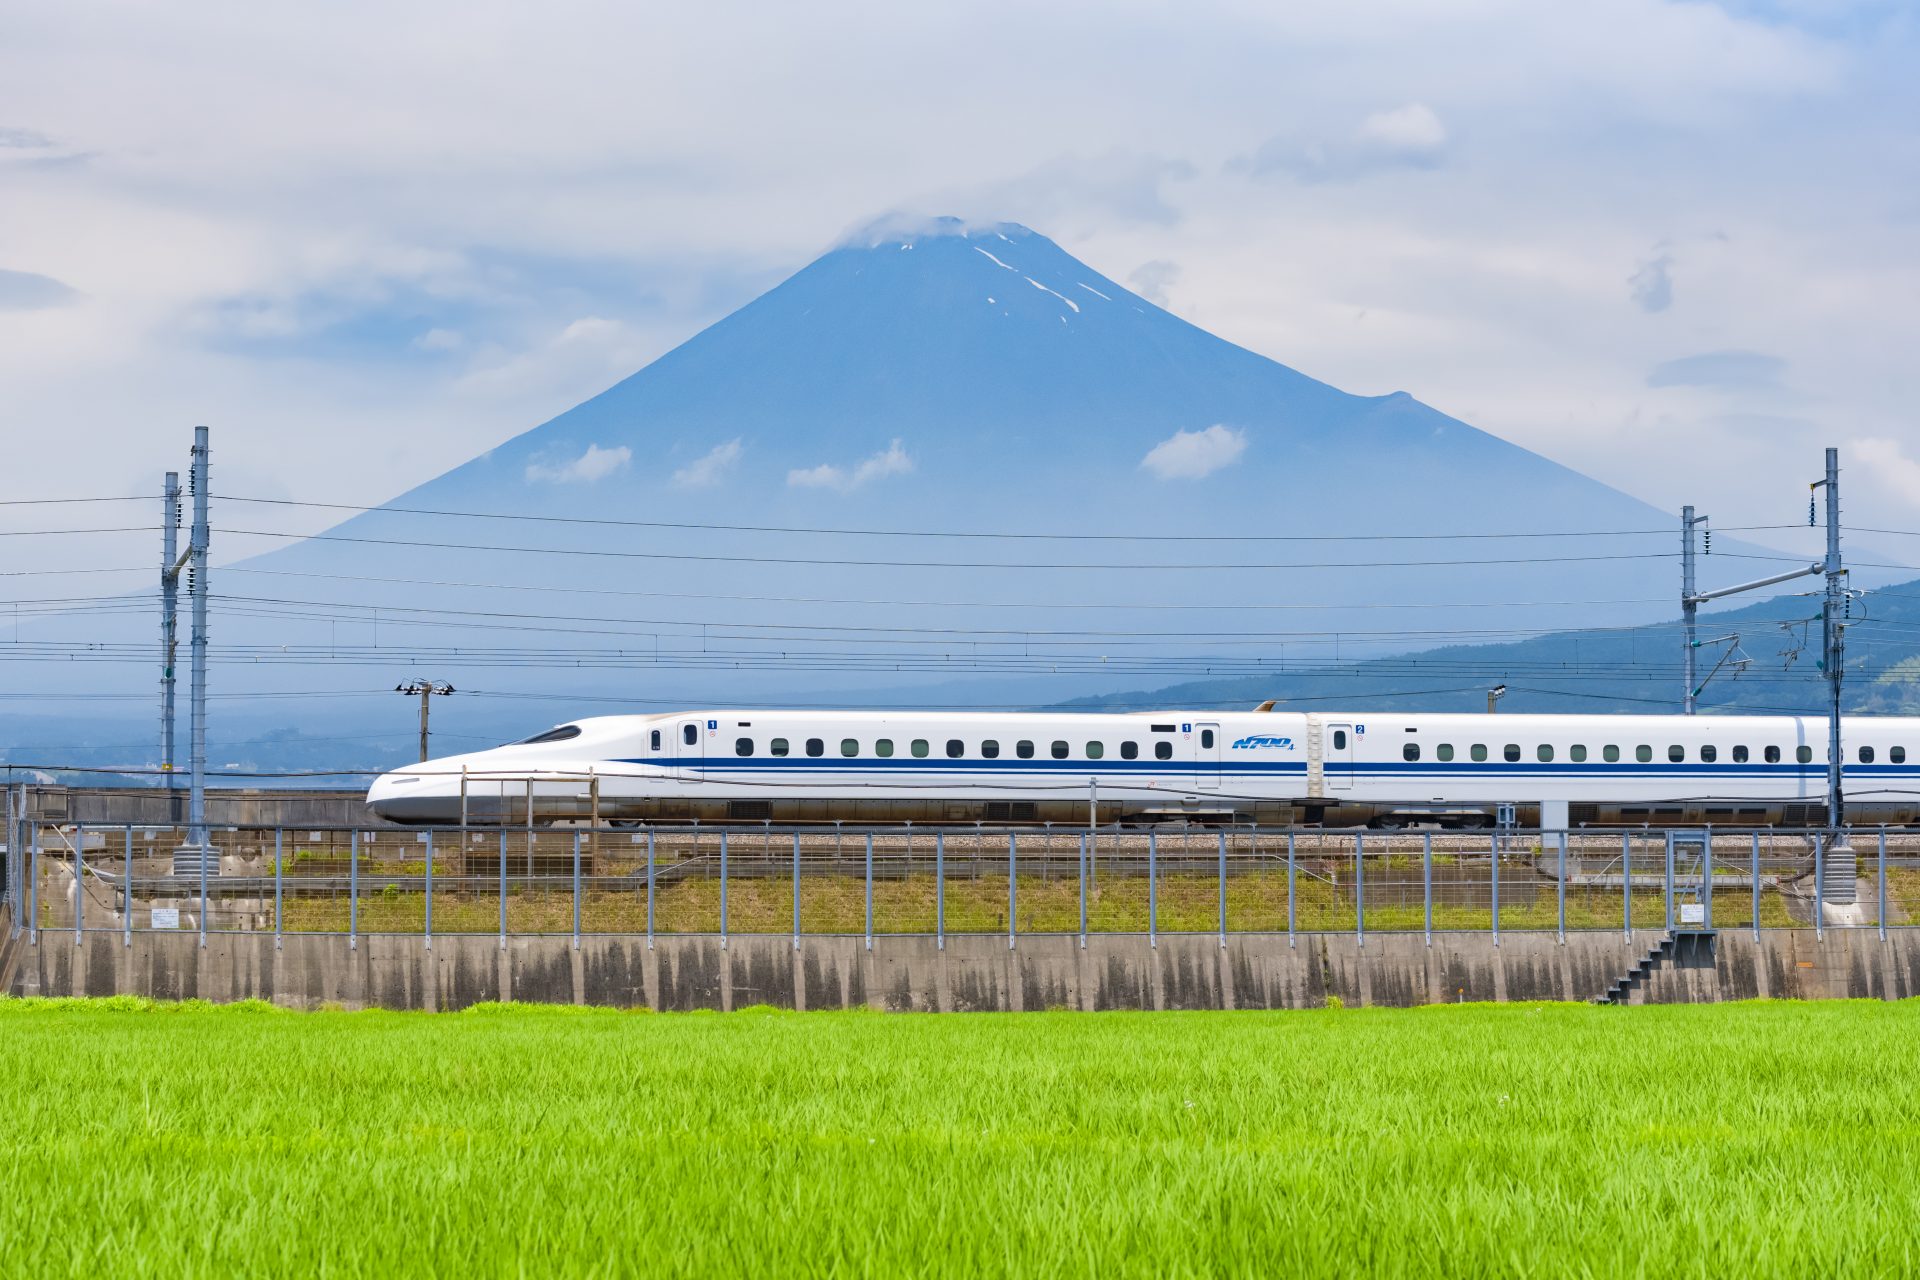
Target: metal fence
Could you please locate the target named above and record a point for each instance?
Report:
(837, 880)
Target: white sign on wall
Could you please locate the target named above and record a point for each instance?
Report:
(166, 917)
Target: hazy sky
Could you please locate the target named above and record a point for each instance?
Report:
(1672, 245)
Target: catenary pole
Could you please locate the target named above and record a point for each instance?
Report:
(1833, 633)
(169, 618)
(197, 586)
(1689, 608)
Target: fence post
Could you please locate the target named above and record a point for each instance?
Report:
(79, 879)
(1819, 887)
(649, 888)
(503, 884)
(869, 890)
(1013, 888)
(429, 924)
(796, 878)
(353, 893)
(723, 886)
(1426, 880)
(1359, 890)
(1223, 891)
(1290, 937)
(1494, 877)
(1561, 889)
(126, 888)
(1153, 899)
(33, 888)
(1669, 885)
(279, 912)
(205, 851)
(1083, 891)
(1756, 886)
(1706, 881)
(576, 890)
(940, 889)
(1626, 883)
(1881, 878)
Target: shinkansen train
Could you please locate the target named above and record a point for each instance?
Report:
(1350, 769)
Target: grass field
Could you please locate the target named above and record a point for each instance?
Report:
(1769, 1139)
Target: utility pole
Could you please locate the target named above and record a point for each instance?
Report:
(197, 645)
(1833, 637)
(1494, 695)
(426, 689)
(1689, 607)
(170, 564)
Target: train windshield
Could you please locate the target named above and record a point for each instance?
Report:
(560, 734)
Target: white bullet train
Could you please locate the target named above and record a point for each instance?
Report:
(1384, 769)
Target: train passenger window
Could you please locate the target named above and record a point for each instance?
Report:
(920, 748)
(1610, 753)
(1773, 755)
(1444, 751)
(1577, 754)
(849, 746)
(1709, 753)
(1643, 753)
(1163, 751)
(1339, 739)
(1129, 751)
(1803, 754)
(689, 734)
(1410, 751)
(1676, 754)
(1024, 748)
(1058, 750)
(990, 749)
(1897, 755)
(816, 747)
(1545, 753)
(778, 746)
(1095, 750)
(1510, 752)
(1739, 755)
(1206, 738)
(955, 748)
(1479, 751)
(883, 747)
(656, 740)
(743, 746)
(1866, 755)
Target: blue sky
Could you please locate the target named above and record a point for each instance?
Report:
(1671, 245)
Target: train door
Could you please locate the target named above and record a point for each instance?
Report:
(687, 750)
(1206, 754)
(1339, 764)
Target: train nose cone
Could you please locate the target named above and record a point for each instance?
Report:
(406, 797)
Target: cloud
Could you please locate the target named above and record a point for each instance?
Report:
(707, 470)
(1886, 463)
(439, 340)
(28, 291)
(594, 464)
(1191, 455)
(1406, 137)
(1151, 280)
(1719, 369)
(890, 461)
(1652, 284)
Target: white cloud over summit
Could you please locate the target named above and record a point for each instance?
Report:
(710, 467)
(890, 461)
(593, 464)
(1194, 455)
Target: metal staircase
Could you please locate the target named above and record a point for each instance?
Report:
(1681, 945)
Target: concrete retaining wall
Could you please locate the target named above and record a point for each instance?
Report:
(1115, 971)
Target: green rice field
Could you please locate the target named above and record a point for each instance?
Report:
(1751, 1139)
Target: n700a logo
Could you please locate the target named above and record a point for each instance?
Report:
(1262, 740)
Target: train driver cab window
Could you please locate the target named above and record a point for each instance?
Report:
(1478, 752)
(1058, 750)
(1772, 754)
(1739, 755)
(1339, 739)
(955, 748)
(1095, 750)
(816, 747)
(1577, 754)
(743, 746)
(1676, 754)
(655, 741)
(1024, 748)
(1866, 755)
(1896, 755)
(849, 746)
(990, 749)
(1709, 753)
(1444, 751)
(778, 746)
(1510, 752)
(1545, 752)
(920, 748)
(1803, 754)
(689, 734)
(1163, 751)
(1643, 753)
(883, 747)
(1129, 751)
(1410, 751)
(1610, 753)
